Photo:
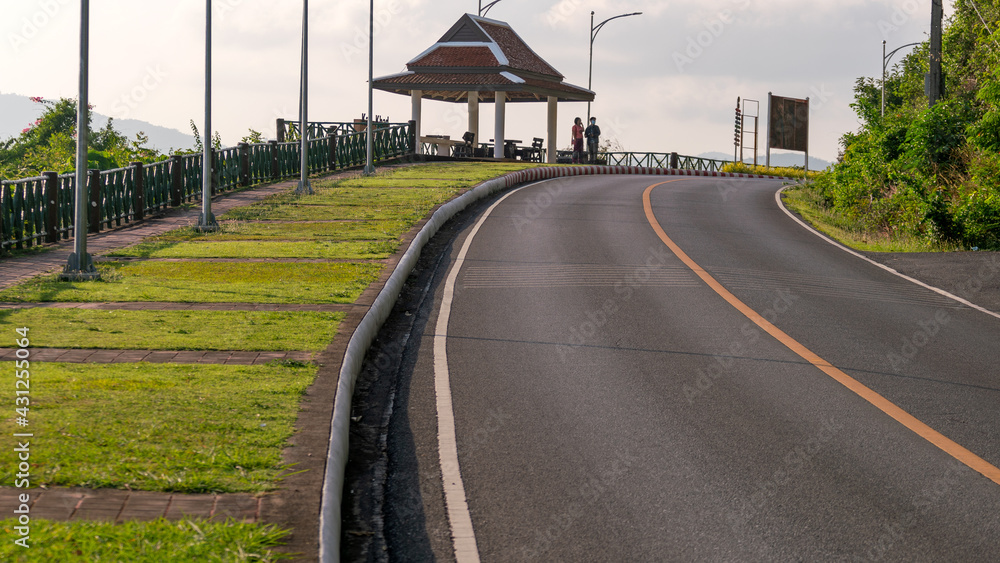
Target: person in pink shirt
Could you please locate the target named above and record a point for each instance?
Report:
(577, 140)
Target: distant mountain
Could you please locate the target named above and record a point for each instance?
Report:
(782, 159)
(18, 112)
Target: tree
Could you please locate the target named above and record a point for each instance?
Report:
(50, 144)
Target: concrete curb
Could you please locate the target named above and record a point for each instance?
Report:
(364, 335)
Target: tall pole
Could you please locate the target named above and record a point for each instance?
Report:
(594, 30)
(370, 165)
(937, 14)
(590, 69)
(80, 266)
(207, 222)
(885, 66)
(304, 186)
(883, 78)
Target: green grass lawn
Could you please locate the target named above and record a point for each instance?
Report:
(469, 172)
(323, 250)
(804, 201)
(206, 282)
(160, 427)
(175, 330)
(333, 231)
(340, 203)
(203, 428)
(157, 541)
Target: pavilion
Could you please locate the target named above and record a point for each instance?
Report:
(484, 60)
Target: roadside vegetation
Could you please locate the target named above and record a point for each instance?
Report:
(50, 144)
(921, 178)
(784, 171)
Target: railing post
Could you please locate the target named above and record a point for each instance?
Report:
(411, 138)
(215, 172)
(94, 188)
(244, 149)
(673, 160)
(280, 130)
(138, 192)
(275, 170)
(4, 194)
(176, 180)
(51, 206)
(333, 150)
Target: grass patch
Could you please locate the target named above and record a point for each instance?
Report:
(206, 282)
(155, 541)
(391, 181)
(807, 203)
(160, 427)
(470, 173)
(341, 203)
(175, 330)
(323, 232)
(324, 250)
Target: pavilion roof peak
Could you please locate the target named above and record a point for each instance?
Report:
(463, 44)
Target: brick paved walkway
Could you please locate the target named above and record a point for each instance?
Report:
(117, 506)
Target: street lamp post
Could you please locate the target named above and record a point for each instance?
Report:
(206, 221)
(593, 35)
(80, 266)
(482, 10)
(885, 66)
(370, 147)
(304, 186)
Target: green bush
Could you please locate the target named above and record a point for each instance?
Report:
(919, 172)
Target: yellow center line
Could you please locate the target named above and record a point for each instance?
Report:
(878, 401)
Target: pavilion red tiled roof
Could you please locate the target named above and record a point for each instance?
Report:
(484, 56)
(451, 56)
(521, 56)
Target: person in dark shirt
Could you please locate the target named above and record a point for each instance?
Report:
(593, 135)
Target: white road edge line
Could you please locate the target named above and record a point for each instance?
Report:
(777, 197)
(462, 533)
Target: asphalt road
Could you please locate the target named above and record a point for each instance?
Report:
(610, 405)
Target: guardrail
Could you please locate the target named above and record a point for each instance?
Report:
(39, 210)
(663, 160)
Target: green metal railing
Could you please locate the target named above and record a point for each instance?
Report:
(288, 130)
(663, 160)
(37, 210)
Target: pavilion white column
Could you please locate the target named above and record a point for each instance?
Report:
(474, 116)
(551, 148)
(501, 116)
(416, 96)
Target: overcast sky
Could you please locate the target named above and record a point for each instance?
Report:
(666, 80)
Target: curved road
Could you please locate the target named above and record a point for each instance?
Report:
(612, 404)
